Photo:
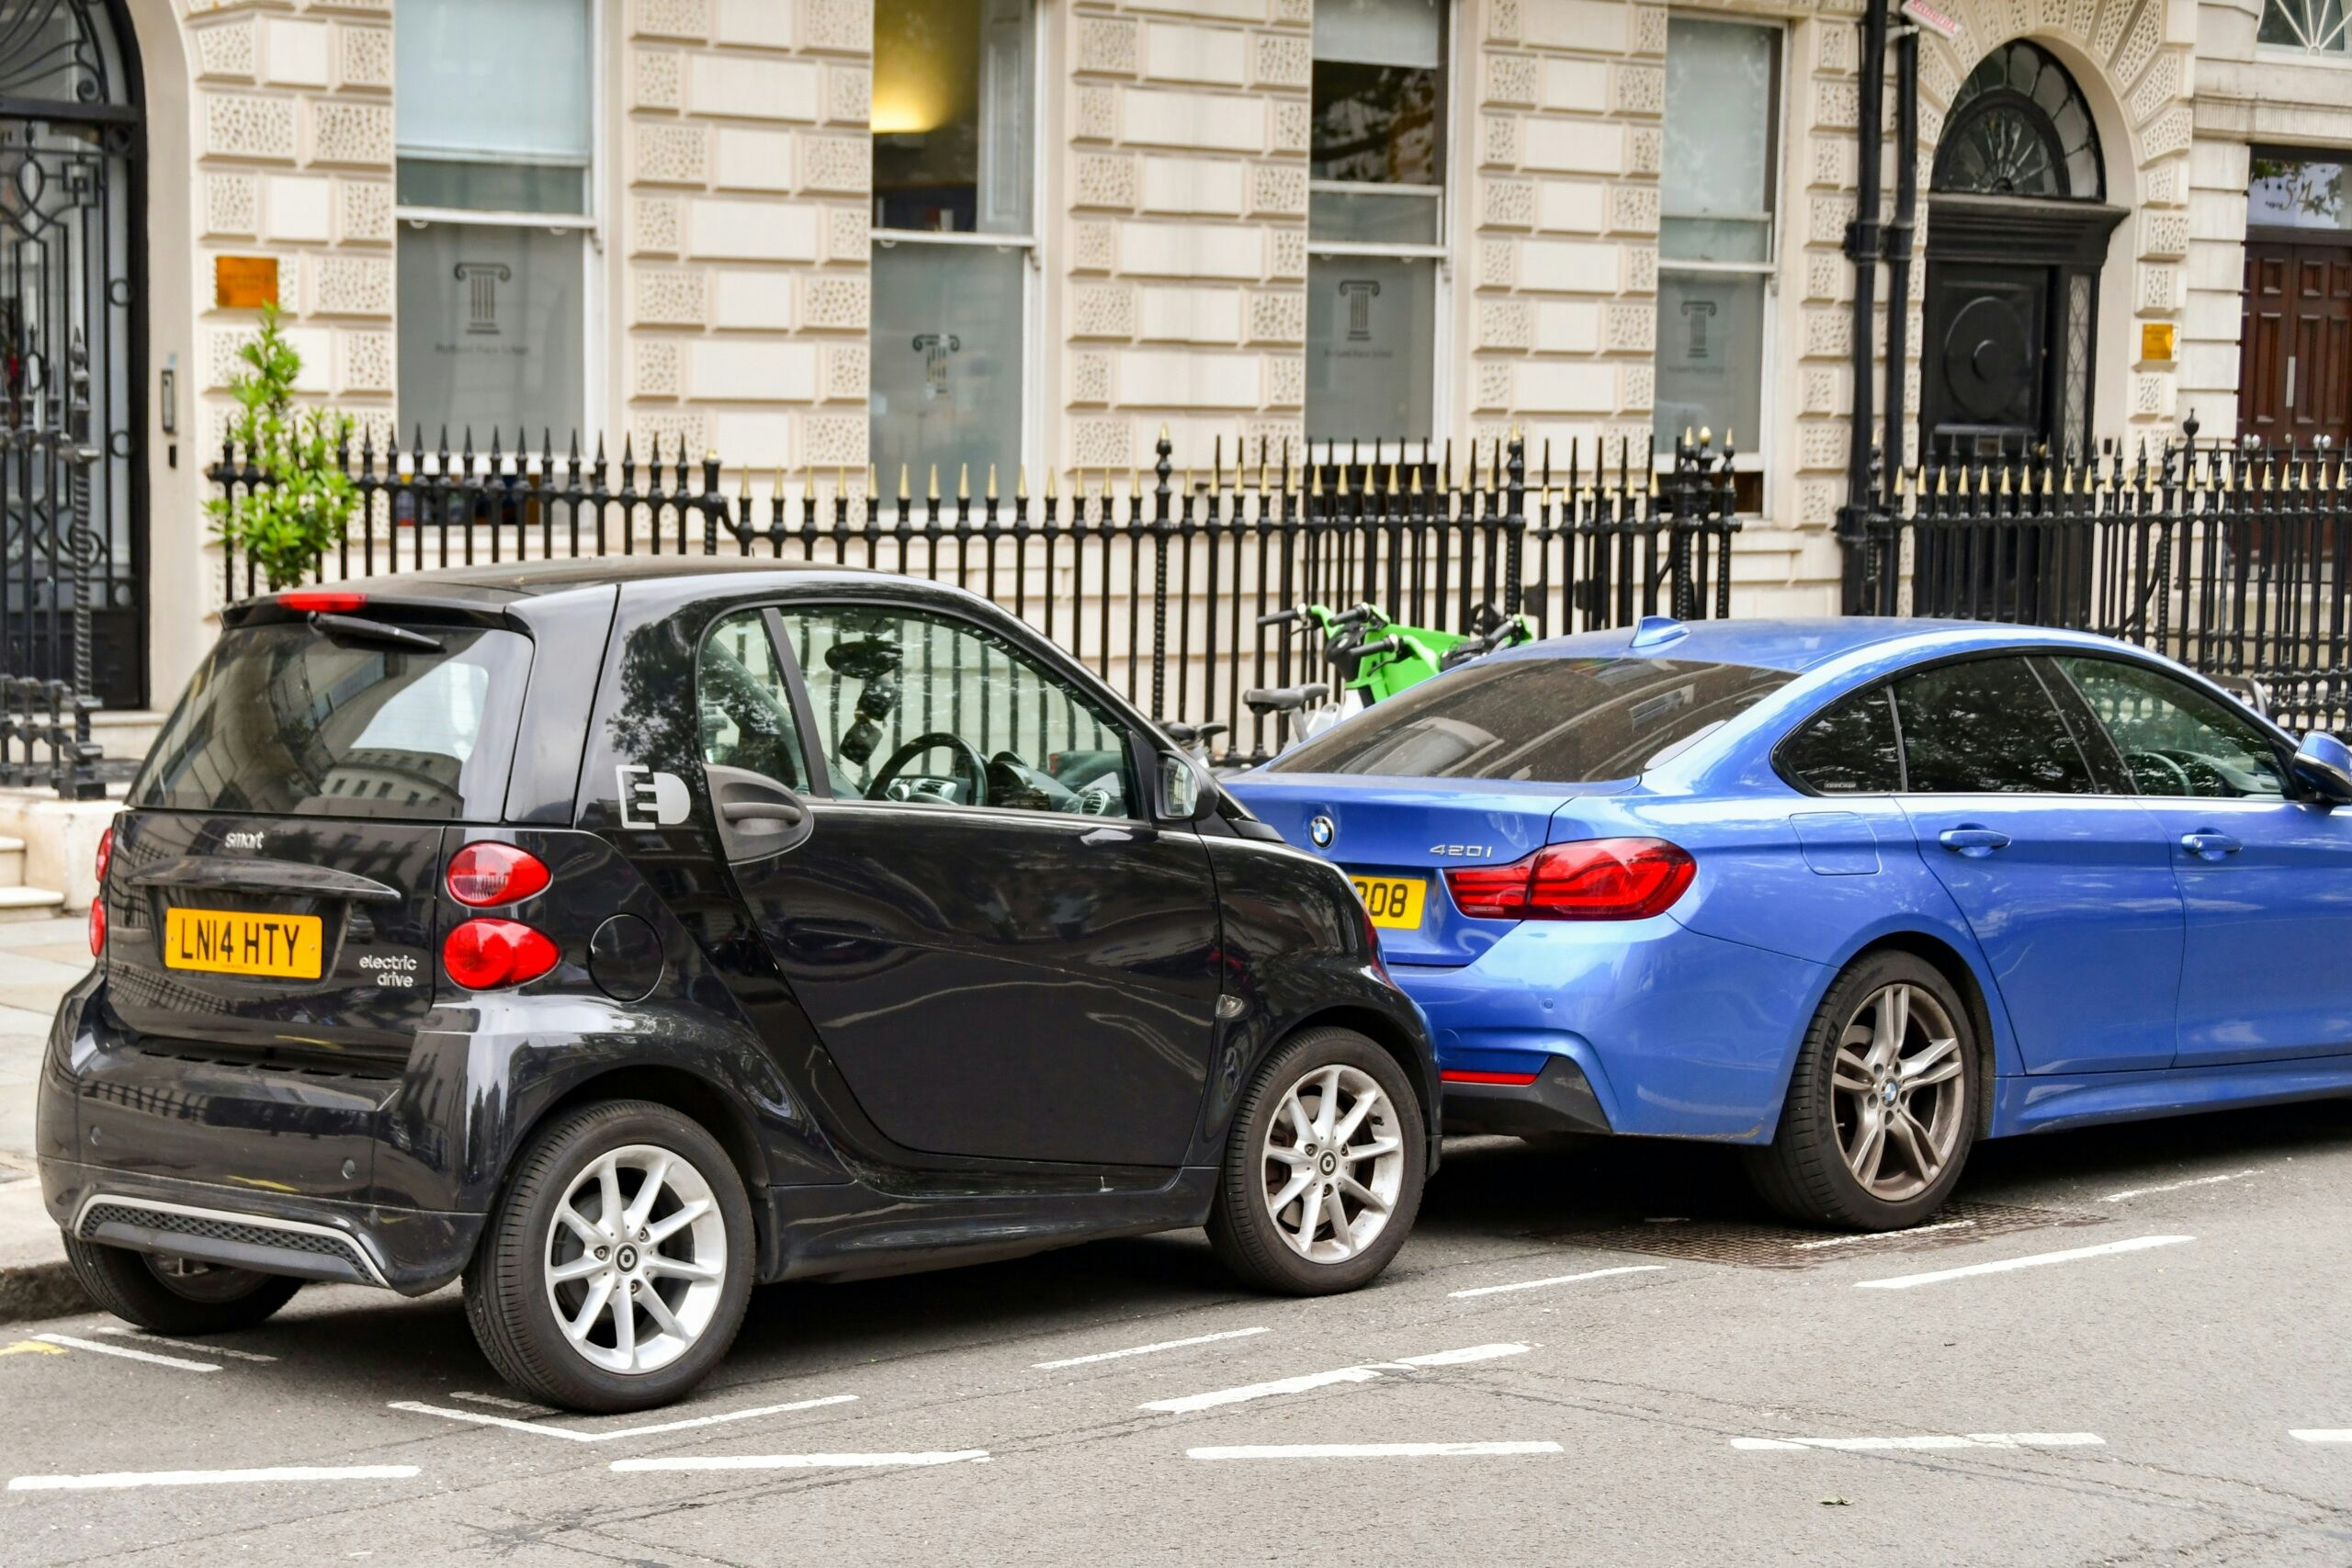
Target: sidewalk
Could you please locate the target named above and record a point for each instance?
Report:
(39, 959)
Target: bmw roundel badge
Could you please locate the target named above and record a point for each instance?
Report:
(1321, 831)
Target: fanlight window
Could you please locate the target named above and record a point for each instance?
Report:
(2018, 127)
(2318, 26)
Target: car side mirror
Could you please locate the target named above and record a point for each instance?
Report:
(2323, 767)
(1186, 792)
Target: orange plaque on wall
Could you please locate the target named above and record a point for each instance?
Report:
(244, 283)
(2156, 339)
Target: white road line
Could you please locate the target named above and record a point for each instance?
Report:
(2130, 1192)
(500, 1402)
(1555, 1280)
(1309, 1381)
(2031, 1261)
(802, 1462)
(178, 1363)
(542, 1430)
(117, 1480)
(1143, 1349)
(143, 1338)
(1370, 1450)
(2321, 1434)
(1880, 1235)
(1926, 1440)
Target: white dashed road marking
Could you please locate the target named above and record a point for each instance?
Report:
(1926, 1440)
(1309, 1381)
(1144, 1350)
(1881, 1235)
(1555, 1280)
(1371, 1450)
(2130, 1192)
(541, 1430)
(121, 1479)
(2031, 1261)
(512, 1407)
(2322, 1434)
(142, 1338)
(178, 1363)
(801, 1462)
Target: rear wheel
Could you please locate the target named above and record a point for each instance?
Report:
(617, 1267)
(1323, 1168)
(175, 1296)
(1882, 1106)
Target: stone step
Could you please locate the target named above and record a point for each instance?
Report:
(125, 734)
(12, 862)
(30, 904)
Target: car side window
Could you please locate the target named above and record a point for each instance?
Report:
(1987, 727)
(2176, 740)
(1848, 748)
(923, 710)
(745, 703)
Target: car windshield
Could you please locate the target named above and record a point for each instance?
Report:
(1551, 720)
(286, 720)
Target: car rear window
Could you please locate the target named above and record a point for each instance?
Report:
(284, 721)
(1553, 720)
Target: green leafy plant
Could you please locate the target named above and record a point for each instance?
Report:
(302, 501)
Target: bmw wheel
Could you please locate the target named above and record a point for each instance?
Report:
(617, 1267)
(1881, 1108)
(1323, 1167)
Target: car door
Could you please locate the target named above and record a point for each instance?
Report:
(1002, 955)
(2067, 887)
(2265, 880)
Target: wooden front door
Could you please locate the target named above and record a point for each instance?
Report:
(1987, 372)
(2295, 342)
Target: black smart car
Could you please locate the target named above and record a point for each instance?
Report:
(617, 934)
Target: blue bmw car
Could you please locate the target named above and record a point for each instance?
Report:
(1852, 892)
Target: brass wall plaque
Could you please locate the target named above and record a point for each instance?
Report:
(2156, 339)
(244, 283)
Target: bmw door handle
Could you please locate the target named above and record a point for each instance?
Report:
(1973, 842)
(2206, 844)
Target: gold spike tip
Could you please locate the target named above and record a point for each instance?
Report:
(934, 482)
(1049, 483)
(991, 492)
(1413, 480)
(1943, 481)
(963, 481)
(1901, 488)
(903, 491)
(1020, 481)
(1727, 438)
(1706, 436)
(1163, 430)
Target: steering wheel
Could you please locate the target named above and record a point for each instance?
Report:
(972, 768)
(2140, 762)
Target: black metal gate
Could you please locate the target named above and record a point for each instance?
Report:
(71, 351)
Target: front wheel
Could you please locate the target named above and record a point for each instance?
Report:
(1323, 1167)
(618, 1264)
(175, 1296)
(1882, 1106)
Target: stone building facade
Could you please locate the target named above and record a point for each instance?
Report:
(1165, 190)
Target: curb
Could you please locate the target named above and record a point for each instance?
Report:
(32, 1291)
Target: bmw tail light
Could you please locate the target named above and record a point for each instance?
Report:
(1593, 879)
(487, 874)
(484, 955)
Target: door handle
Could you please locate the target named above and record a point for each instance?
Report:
(1973, 842)
(1107, 835)
(2206, 844)
(788, 812)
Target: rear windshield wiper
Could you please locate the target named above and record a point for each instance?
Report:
(358, 629)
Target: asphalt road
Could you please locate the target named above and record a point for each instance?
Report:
(1666, 1394)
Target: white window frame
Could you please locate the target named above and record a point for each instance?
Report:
(1033, 292)
(1767, 412)
(1441, 387)
(593, 288)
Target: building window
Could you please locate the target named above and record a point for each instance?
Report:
(1375, 220)
(2322, 26)
(2300, 193)
(498, 209)
(1723, 115)
(954, 154)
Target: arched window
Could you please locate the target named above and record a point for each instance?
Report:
(2018, 127)
(59, 51)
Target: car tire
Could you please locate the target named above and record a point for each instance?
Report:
(1892, 1048)
(168, 1295)
(536, 1259)
(1320, 1078)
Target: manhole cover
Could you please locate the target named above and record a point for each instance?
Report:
(1763, 1245)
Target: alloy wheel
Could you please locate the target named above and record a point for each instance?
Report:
(1896, 1092)
(1333, 1165)
(636, 1258)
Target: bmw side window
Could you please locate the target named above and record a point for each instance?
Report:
(923, 710)
(2176, 740)
(1848, 748)
(1986, 726)
(745, 703)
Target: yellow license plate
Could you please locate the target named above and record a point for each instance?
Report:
(1395, 902)
(229, 942)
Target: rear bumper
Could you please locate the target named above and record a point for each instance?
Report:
(1554, 1098)
(412, 1251)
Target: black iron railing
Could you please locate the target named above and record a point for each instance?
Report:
(1156, 577)
(47, 549)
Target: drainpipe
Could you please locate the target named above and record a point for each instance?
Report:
(1862, 246)
(1898, 241)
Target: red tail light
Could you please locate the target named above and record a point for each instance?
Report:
(482, 956)
(495, 873)
(322, 601)
(1594, 879)
(98, 926)
(105, 856)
